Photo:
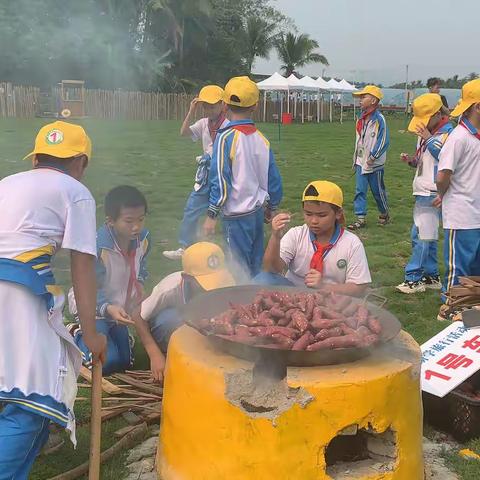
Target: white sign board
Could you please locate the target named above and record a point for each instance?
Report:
(449, 358)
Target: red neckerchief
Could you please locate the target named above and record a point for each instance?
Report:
(468, 126)
(214, 126)
(246, 129)
(363, 119)
(322, 249)
(129, 256)
(423, 143)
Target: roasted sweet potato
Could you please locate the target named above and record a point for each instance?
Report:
(347, 341)
(302, 343)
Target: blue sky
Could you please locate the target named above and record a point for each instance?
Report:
(373, 40)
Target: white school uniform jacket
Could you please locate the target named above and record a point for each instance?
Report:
(243, 174)
(426, 160)
(346, 262)
(371, 142)
(43, 210)
(461, 155)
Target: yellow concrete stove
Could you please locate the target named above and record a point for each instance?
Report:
(229, 418)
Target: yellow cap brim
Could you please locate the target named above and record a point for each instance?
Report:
(357, 94)
(211, 99)
(416, 122)
(218, 279)
(461, 108)
(56, 153)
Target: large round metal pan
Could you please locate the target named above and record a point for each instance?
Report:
(213, 303)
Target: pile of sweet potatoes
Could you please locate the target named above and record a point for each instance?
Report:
(299, 321)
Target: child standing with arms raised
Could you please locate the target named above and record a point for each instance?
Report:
(432, 129)
(205, 129)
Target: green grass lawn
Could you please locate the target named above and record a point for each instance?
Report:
(152, 157)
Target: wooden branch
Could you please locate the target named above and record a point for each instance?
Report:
(107, 386)
(138, 384)
(127, 441)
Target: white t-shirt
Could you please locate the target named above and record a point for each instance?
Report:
(168, 293)
(461, 202)
(346, 262)
(200, 131)
(45, 207)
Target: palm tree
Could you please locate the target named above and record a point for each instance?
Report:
(297, 51)
(177, 12)
(260, 37)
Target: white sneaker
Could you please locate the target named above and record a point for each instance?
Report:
(174, 254)
(411, 287)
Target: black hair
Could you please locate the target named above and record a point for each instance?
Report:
(237, 109)
(123, 196)
(311, 191)
(43, 159)
(433, 81)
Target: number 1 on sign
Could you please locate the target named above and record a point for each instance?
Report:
(430, 373)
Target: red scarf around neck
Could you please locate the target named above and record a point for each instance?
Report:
(214, 126)
(364, 118)
(322, 249)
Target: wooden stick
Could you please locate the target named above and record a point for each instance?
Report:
(140, 385)
(125, 442)
(96, 423)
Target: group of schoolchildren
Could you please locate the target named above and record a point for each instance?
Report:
(238, 182)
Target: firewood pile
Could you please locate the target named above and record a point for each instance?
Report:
(464, 296)
(133, 395)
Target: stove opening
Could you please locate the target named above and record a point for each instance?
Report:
(360, 452)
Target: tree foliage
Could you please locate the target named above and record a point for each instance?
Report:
(297, 51)
(452, 82)
(169, 45)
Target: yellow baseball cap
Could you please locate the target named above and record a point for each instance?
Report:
(327, 192)
(370, 90)
(211, 94)
(62, 140)
(241, 92)
(205, 262)
(424, 108)
(470, 96)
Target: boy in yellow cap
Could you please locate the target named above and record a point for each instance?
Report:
(43, 210)
(320, 253)
(458, 184)
(158, 317)
(371, 145)
(245, 184)
(205, 129)
(432, 128)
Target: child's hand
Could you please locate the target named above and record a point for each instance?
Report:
(97, 344)
(313, 279)
(194, 104)
(119, 314)
(157, 366)
(437, 202)
(279, 224)
(209, 226)
(423, 132)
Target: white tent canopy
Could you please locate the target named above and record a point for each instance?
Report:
(348, 87)
(334, 86)
(323, 85)
(274, 82)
